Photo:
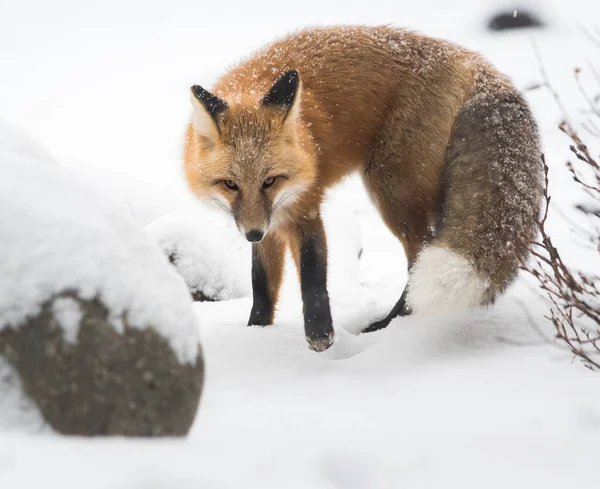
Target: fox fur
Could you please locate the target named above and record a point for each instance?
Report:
(446, 146)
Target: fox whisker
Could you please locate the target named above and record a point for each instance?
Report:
(221, 206)
(280, 201)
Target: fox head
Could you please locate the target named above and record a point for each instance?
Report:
(250, 155)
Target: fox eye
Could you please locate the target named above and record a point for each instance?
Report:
(230, 185)
(268, 182)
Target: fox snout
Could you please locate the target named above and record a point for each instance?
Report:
(252, 211)
(255, 235)
(254, 229)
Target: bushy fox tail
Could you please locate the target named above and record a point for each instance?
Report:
(490, 197)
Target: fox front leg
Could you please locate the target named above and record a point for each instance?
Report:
(267, 272)
(310, 253)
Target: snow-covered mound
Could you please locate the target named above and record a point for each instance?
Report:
(95, 325)
(15, 144)
(214, 268)
(57, 235)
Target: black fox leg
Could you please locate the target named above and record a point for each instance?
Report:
(400, 309)
(267, 272)
(310, 253)
(263, 306)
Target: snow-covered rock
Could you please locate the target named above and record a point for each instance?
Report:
(215, 268)
(514, 19)
(98, 325)
(102, 381)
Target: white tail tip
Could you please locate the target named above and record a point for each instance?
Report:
(443, 281)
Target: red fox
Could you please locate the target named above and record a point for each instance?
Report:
(446, 146)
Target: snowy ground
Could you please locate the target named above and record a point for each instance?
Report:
(477, 400)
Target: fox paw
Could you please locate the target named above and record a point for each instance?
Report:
(320, 344)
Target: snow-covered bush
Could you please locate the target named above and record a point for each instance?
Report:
(93, 318)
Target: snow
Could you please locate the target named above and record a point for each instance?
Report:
(477, 399)
(58, 236)
(208, 263)
(13, 141)
(17, 411)
(67, 312)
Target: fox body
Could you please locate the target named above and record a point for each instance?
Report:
(446, 147)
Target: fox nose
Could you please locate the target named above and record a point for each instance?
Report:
(254, 235)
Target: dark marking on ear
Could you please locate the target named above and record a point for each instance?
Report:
(213, 104)
(283, 92)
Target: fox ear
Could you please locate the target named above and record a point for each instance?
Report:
(284, 94)
(207, 108)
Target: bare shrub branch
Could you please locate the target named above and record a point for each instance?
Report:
(574, 295)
